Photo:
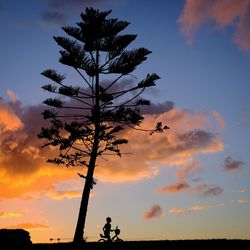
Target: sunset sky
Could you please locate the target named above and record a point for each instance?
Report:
(190, 182)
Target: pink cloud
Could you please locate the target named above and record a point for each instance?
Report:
(187, 171)
(219, 120)
(177, 211)
(223, 14)
(154, 212)
(201, 189)
(174, 188)
(12, 96)
(199, 207)
(195, 208)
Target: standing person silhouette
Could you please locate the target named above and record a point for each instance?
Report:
(107, 228)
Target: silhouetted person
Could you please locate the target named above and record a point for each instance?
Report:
(107, 228)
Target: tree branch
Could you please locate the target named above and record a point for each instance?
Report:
(110, 85)
(131, 99)
(83, 77)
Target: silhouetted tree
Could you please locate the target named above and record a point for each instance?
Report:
(88, 125)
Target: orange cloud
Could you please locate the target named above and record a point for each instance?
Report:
(223, 13)
(177, 211)
(174, 188)
(195, 208)
(4, 215)
(24, 172)
(200, 207)
(9, 121)
(186, 138)
(29, 226)
(60, 195)
(38, 183)
(154, 212)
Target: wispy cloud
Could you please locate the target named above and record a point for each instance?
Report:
(60, 195)
(59, 11)
(200, 208)
(4, 215)
(30, 226)
(232, 165)
(207, 190)
(194, 208)
(53, 17)
(242, 201)
(154, 212)
(244, 123)
(12, 96)
(201, 189)
(9, 120)
(174, 188)
(177, 211)
(187, 171)
(182, 173)
(241, 190)
(219, 120)
(223, 14)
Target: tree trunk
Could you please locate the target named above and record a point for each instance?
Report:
(79, 232)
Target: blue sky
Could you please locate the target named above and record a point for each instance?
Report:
(201, 50)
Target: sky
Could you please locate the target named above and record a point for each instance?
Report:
(191, 182)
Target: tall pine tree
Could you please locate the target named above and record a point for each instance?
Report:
(89, 125)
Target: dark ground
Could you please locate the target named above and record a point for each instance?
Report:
(145, 245)
(137, 245)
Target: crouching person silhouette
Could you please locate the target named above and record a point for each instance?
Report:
(105, 237)
(107, 229)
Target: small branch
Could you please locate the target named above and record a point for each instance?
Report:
(111, 84)
(131, 99)
(116, 154)
(86, 145)
(139, 129)
(74, 108)
(83, 77)
(78, 149)
(79, 100)
(71, 116)
(120, 93)
(92, 57)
